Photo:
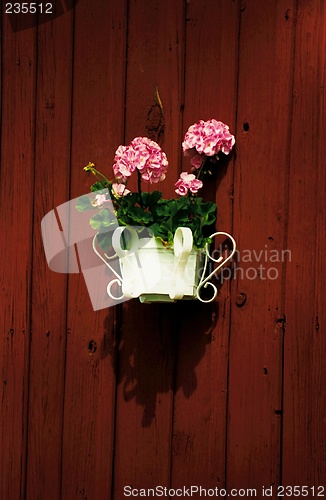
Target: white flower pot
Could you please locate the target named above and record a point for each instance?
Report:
(153, 273)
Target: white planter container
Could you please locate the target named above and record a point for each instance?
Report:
(154, 273)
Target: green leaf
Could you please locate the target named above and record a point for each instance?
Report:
(140, 216)
(99, 185)
(128, 202)
(163, 210)
(104, 218)
(84, 203)
(206, 208)
(105, 240)
(150, 199)
(157, 230)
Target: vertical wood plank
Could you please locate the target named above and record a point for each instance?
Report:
(52, 172)
(305, 347)
(155, 61)
(199, 424)
(16, 208)
(178, 350)
(97, 127)
(144, 397)
(255, 364)
(146, 359)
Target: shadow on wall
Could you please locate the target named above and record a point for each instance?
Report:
(157, 350)
(158, 346)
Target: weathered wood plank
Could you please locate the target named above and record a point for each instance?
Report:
(255, 363)
(52, 175)
(97, 127)
(199, 424)
(304, 426)
(144, 397)
(16, 202)
(146, 360)
(155, 61)
(175, 383)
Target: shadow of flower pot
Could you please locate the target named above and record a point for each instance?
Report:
(150, 342)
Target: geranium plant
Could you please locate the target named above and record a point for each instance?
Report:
(203, 142)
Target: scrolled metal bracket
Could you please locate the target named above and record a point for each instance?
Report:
(117, 280)
(205, 282)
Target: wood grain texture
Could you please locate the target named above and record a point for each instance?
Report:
(97, 128)
(146, 359)
(199, 422)
(144, 398)
(16, 201)
(229, 394)
(256, 338)
(305, 348)
(52, 178)
(155, 60)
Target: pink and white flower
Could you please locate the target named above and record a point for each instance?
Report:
(119, 189)
(150, 159)
(197, 161)
(124, 164)
(143, 154)
(99, 200)
(208, 138)
(187, 182)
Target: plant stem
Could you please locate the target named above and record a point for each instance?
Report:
(100, 177)
(201, 168)
(103, 176)
(139, 189)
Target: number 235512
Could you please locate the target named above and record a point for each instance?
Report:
(29, 8)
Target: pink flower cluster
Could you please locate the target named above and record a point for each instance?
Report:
(208, 138)
(187, 182)
(143, 154)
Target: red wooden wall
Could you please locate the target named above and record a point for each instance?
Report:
(224, 395)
